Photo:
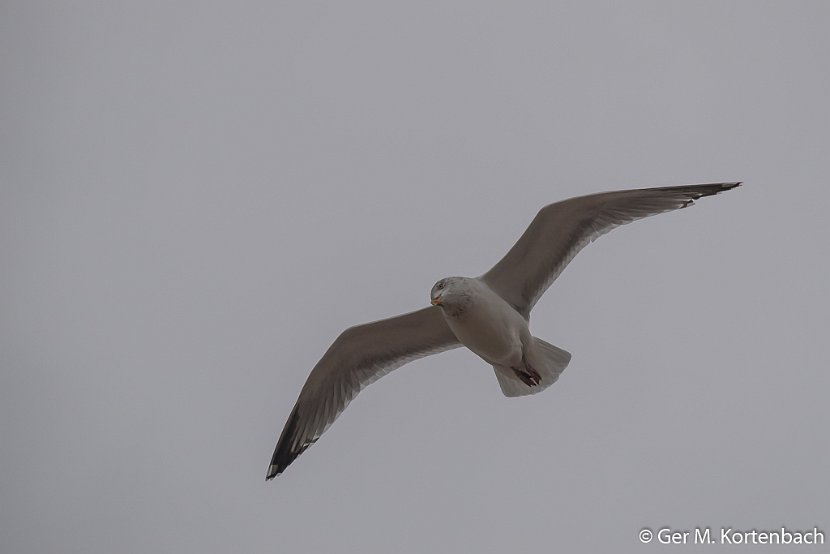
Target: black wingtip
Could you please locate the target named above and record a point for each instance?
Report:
(283, 453)
(696, 192)
(714, 188)
(273, 471)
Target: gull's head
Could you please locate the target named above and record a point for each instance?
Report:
(450, 291)
(436, 295)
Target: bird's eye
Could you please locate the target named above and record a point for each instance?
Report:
(440, 285)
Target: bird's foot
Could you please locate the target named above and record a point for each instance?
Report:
(528, 375)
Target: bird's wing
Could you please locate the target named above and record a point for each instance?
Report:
(358, 357)
(559, 231)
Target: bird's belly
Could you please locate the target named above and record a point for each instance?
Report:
(491, 335)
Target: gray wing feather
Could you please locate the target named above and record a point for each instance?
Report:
(559, 231)
(358, 357)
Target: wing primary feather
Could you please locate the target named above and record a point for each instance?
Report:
(286, 451)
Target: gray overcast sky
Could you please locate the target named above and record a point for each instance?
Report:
(197, 197)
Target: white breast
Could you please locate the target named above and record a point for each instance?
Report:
(491, 328)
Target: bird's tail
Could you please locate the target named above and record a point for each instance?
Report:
(546, 359)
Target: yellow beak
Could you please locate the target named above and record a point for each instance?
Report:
(436, 301)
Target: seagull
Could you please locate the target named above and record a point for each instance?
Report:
(489, 314)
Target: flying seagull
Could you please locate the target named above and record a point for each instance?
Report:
(487, 314)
